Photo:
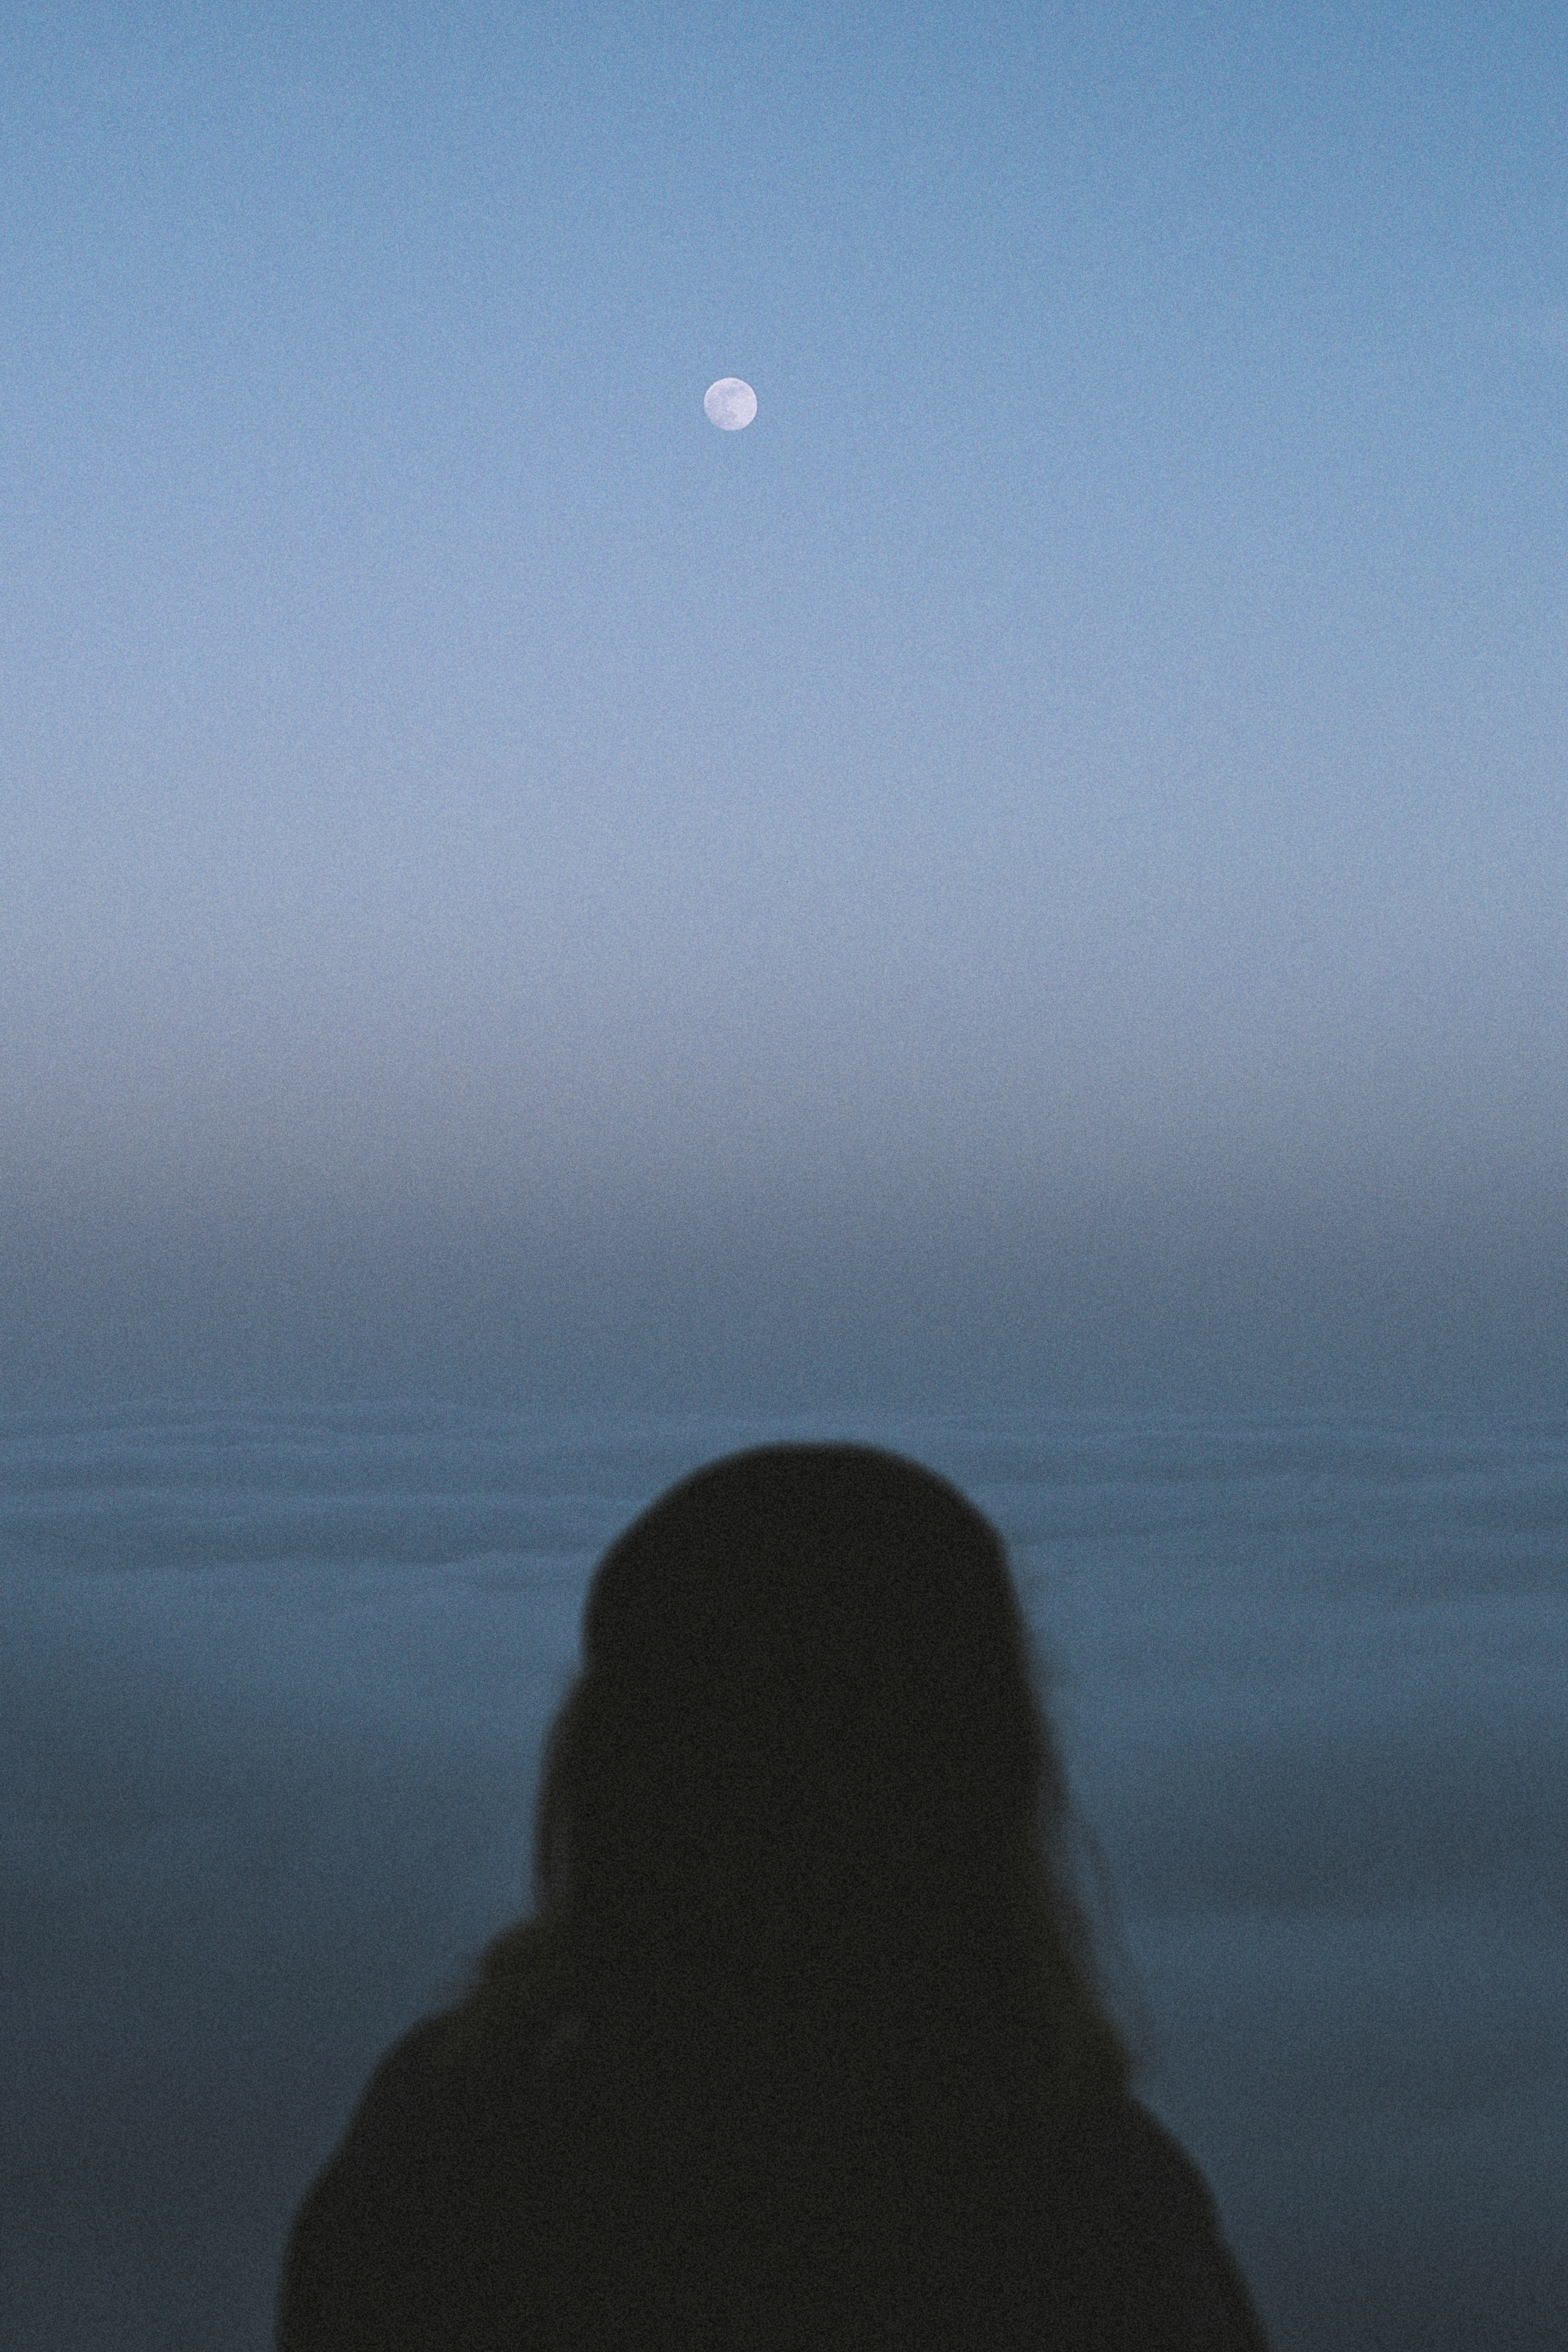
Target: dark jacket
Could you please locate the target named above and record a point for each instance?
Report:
(453, 2219)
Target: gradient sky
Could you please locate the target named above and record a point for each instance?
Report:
(1056, 829)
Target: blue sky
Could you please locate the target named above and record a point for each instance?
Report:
(1056, 827)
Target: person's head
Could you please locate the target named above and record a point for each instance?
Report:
(804, 1795)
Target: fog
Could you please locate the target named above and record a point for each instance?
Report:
(785, 1298)
(1032, 879)
(275, 1685)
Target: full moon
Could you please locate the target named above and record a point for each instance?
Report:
(730, 403)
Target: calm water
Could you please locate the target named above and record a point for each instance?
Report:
(274, 1683)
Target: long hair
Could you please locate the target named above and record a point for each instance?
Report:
(801, 1867)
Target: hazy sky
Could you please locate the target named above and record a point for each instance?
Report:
(1056, 827)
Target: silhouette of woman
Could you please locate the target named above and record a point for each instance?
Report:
(803, 2049)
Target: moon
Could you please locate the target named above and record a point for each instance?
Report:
(730, 403)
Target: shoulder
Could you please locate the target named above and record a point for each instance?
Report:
(397, 2107)
(366, 2249)
(408, 2071)
(1147, 2206)
(1128, 2143)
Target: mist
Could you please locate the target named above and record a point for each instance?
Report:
(785, 1297)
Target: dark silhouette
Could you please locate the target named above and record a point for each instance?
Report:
(803, 2050)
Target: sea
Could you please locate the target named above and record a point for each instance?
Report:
(273, 1685)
